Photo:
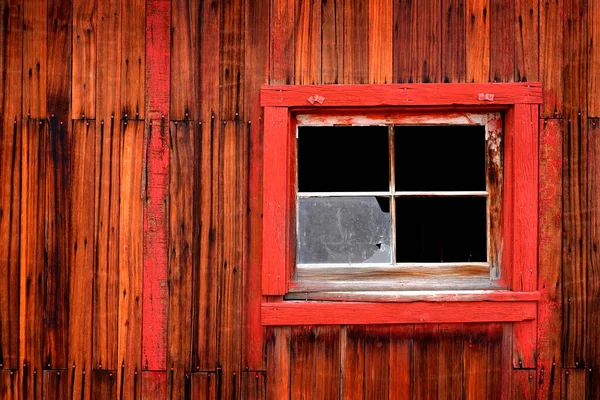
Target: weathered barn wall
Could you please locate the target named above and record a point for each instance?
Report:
(128, 233)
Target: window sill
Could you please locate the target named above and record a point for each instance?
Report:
(404, 308)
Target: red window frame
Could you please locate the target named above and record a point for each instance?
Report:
(518, 102)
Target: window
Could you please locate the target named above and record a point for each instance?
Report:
(423, 193)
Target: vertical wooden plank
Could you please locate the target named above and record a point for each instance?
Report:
(278, 362)
(307, 48)
(81, 257)
(10, 181)
(502, 40)
(133, 60)
(232, 60)
(154, 385)
(130, 260)
(404, 41)
(84, 60)
(452, 359)
(9, 384)
(104, 385)
(55, 384)
(573, 384)
(356, 42)
(327, 356)
(426, 362)
(551, 57)
(56, 211)
(303, 364)
(32, 257)
(523, 385)
(204, 386)
(377, 361)
(593, 53)
(106, 267)
(57, 184)
(478, 40)
(475, 361)
(156, 207)
(593, 268)
(381, 26)
(527, 40)
(429, 44)
(275, 208)
(253, 385)
(204, 345)
(256, 74)
(332, 40)
(353, 361)
(108, 60)
(34, 57)
(497, 368)
(453, 37)
(184, 55)
(181, 195)
(233, 206)
(282, 42)
(401, 350)
(550, 254)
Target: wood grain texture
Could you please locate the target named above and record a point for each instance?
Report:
(33, 172)
(352, 346)
(10, 182)
(108, 60)
(204, 385)
(551, 57)
(129, 351)
(185, 50)
(106, 266)
(182, 187)
(453, 36)
(133, 60)
(381, 24)
(55, 384)
(83, 82)
(253, 385)
(81, 258)
(428, 54)
(527, 41)
(404, 42)
(59, 39)
(35, 34)
(377, 361)
(425, 384)
(158, 58)
(550, 256)
(256, 74)
(401, 361)
(56, 211)
(356, 42)
(451, 375)
(498, 360)
(502, 41)
(523, 384)
(332, 41)
(278, 362)
(282, 42)
(154, 385)
(104, 384)
(307, 47)
(478, 40)
(476, 366)
(9, 384)
(573, 383)
(232, 82)
(233, 206)
(593, 53)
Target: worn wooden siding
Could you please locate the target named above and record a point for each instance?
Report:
(130, 132)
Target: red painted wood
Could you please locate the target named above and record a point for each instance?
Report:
(313, 313)
(445, 94)
(276, 215)
(154, 287)
(523, 122)
(154, 385)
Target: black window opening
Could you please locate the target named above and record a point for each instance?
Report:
(390, 195)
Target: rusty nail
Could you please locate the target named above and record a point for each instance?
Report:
(198, 367)
(175, 122)
(112, 116)
(256, 376)
(52, 115)
(35, 371)
(82, 115)
(84, 372)
(58, 373)
(110, 374)
(48, 365)
(567, 372)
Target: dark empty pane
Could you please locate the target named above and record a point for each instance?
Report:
(346, 230)
(441, 229)
(343, 159)
(440, 158)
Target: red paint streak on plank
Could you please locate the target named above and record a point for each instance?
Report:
(428, 94)
(154, 287)
(308, 313)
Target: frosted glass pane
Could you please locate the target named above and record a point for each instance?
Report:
(343, 230)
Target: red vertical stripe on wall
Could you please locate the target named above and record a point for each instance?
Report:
(154, 287)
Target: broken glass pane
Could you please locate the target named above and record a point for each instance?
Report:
(343, 230)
